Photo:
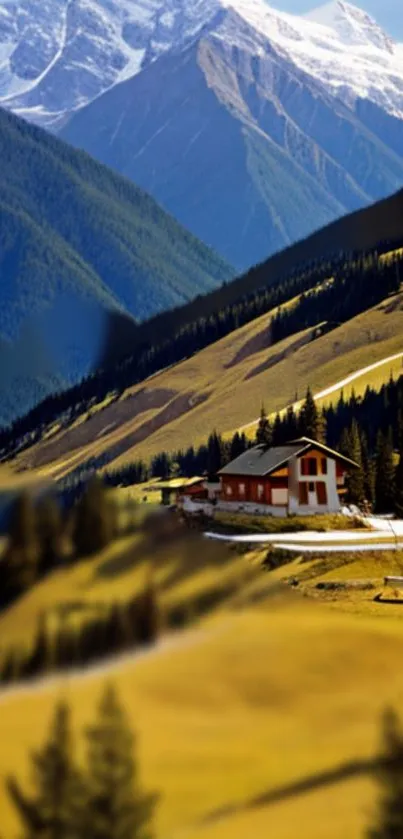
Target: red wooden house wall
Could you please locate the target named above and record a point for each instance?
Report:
(251, 484)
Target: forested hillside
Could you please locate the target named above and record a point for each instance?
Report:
(78, 243)
(312, 305)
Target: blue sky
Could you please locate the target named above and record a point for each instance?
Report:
(388, 13)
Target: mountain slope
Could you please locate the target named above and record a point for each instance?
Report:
(79, 245)
(244, 143)
(225, 352)
(251, 126)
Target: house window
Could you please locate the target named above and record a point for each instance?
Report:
(324, 465)
(260, 491)
(242, 489)
(303, 494)
(311, 486)
(321, 493)
(228, 490)
(312, 466)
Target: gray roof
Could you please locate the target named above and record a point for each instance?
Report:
(260, 461)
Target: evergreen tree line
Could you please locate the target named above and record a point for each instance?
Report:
(211, 456)
(159, 348)
(101, 798)
(356, 286)
(121, 627)
(42, 535)
(135, 623)
(368, 430)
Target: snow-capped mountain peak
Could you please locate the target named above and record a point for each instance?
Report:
(58, 55)
(352, 25)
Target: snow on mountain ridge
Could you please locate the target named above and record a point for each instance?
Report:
(83, 47)
(364, 63)
(353, 25)
(58, 55)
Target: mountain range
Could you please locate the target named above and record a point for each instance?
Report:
(84, 254)
(252, 127)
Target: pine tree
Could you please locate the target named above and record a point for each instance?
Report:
(49, 529)
(118, 807)
(291, 424)
(215, 455)
(118, 634)
(94, 524)
(238, 445)
(278, 432)
(20, 560)
(65, 649)
(58, 808)
(263, 432)
(399, 486)
(355, 481)
(321, 427)
(368, 466)
(308, 418)
(39, 658)
(385, 475)
(389, 774)
(11, 667)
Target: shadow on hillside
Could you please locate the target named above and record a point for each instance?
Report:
(280, 356)
(118, 565)
(258, 342)
(163, 538)
(311, 783)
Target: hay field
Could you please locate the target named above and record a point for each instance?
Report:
(254, 700)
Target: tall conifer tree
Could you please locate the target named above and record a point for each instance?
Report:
(355, 481)
(94, 524)
(58, 808)
(308, 418)
(118, 809)
(264, 432)
(21, 558)
(385, 474)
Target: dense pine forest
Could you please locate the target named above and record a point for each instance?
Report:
(330, 292)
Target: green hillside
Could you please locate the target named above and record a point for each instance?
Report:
(77, 243)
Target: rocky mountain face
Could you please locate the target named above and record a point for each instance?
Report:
(252, 127)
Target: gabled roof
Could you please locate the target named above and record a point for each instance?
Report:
(261, 461)
(326, 450)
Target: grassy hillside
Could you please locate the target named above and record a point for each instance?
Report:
(77, 244)
(223, 387)
(73, 594)
(254, 700)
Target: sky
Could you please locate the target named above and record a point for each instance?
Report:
(388, 13)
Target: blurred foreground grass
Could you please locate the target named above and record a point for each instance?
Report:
(247, 702)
